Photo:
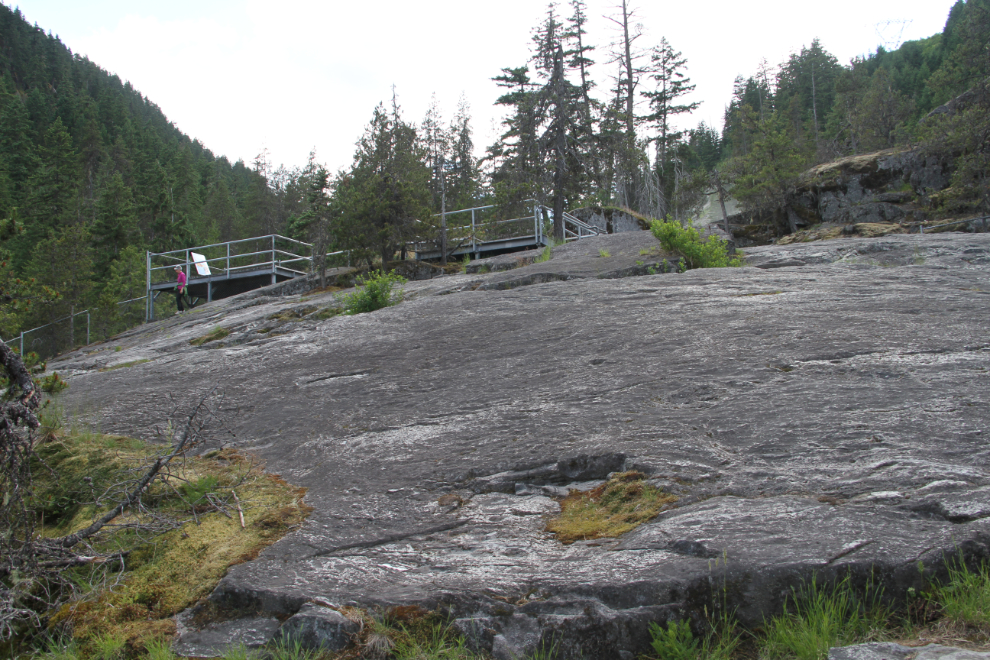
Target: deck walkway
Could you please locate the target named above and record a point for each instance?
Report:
(222, 270)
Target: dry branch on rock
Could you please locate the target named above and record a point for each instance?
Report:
(33, 564)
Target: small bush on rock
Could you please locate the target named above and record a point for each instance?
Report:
(377, 290)
(686, 241)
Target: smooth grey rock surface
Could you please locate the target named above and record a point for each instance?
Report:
(827, 416)
(603, 257)
(214, 639)
(891, 651)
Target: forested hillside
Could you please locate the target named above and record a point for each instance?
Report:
(573, 144)
(97, 174)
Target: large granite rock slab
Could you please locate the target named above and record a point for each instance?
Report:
(819, 413)
(891, 651)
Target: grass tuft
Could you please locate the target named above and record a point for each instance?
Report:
(677, 641)
(124, 365)
(965, 598)
(820, 617)
(612, 509)
(547, 253)
(213, 335)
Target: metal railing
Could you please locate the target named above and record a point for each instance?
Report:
(228, 259)
(536, 225)
(55, 337)
(274, 254)
(575, 229)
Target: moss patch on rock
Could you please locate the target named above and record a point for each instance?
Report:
(176, 569)
(617, 506)
(124, 365)
(214, 335)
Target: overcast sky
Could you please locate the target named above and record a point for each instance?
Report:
(291, 76)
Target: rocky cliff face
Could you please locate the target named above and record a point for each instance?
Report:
(897, 188)
(821, 411)
(893, 186)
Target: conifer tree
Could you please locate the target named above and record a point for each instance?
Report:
(116, 222)
(55, 184)
(671, 83)
(386, 199)
(463, 182)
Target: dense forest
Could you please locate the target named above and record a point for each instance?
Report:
(92, 173)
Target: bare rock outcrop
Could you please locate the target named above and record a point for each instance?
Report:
(821, 411)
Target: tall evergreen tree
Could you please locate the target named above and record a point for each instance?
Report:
(386, 199)
(55, 185)
(116, 220)
(671, 83)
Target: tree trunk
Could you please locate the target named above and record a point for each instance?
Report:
(560, 147)
(630, 84)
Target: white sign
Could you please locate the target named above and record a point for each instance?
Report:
(202, 268)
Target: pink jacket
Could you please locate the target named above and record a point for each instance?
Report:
(182, 281)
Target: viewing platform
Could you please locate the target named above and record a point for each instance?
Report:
(226, 269)
(222, 270)
(488, 235)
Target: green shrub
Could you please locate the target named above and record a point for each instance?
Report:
(377, 290)
(687, 242)
(677, 642)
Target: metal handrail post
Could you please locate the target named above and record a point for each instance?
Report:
(474, 247)
(22, 343)
(149, 308)
(228, 259)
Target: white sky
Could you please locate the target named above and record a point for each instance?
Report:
(243, 75)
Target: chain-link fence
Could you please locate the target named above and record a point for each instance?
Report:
(79, 329)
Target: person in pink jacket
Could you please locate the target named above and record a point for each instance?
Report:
(180, 287)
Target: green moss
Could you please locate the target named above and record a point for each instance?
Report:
(612, 509)
(213, 335)
(292, 314)
(326, 313)
(175, 569)
(124, 365)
